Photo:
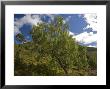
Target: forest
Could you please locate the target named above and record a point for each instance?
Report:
(53, 52)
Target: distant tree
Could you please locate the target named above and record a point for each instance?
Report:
(92, 60)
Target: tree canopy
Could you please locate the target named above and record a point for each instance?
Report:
(52, 51)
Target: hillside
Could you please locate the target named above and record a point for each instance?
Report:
(91, 49)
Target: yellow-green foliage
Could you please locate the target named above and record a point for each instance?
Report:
(52, 51)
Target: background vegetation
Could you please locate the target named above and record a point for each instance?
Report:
(53, 52)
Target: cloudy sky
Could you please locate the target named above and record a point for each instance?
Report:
(83, 27)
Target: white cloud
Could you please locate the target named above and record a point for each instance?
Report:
(67, 19)
(16, 30)
(70, 33)
(27, 19)
(92, 46)
(86, 38)
(91, 19)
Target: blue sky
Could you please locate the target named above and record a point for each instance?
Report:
(81, 26)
